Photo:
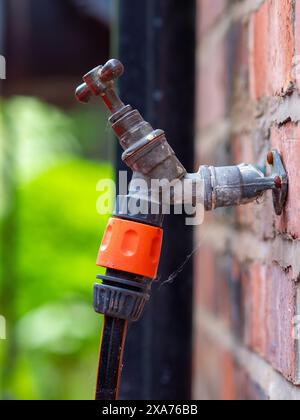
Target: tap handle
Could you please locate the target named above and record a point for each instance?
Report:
(100, 82)
(111, 71)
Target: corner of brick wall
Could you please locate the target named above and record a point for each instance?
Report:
(247, 300)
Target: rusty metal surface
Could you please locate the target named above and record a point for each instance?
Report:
(243, 184)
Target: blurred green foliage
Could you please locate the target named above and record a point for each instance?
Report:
(50, 234)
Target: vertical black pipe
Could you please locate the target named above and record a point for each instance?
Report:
(157, 46)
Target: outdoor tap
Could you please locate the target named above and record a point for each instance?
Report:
(131, 246)
(148, 154)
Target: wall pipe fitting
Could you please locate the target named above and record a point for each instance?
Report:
(131, 247)
(241, 184)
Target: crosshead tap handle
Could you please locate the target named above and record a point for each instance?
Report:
(100, 82)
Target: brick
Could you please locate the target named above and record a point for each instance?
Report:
(272, 49)
(236, 301)
(205, 275)
(297, 45)
(245, 216)
(211, 87)
(258, 217)
(218, 288)
(254, 295)
(238, 45)
(265, 218)
(287, 140)
(270, 299)
(214, 370)
(206, 368)
(208, 13)
(242, 149)
(224, 289)
(228, 378)
(211, 286)
(218, 376)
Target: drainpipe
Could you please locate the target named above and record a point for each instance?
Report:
(151, 35)
(131, 247)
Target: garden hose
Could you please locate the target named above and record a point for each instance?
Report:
(110, 360)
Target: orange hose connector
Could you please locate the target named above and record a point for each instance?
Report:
(131, 247)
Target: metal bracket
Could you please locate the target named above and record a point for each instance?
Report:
(278, 172)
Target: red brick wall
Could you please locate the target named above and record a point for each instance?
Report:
(248, 268)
